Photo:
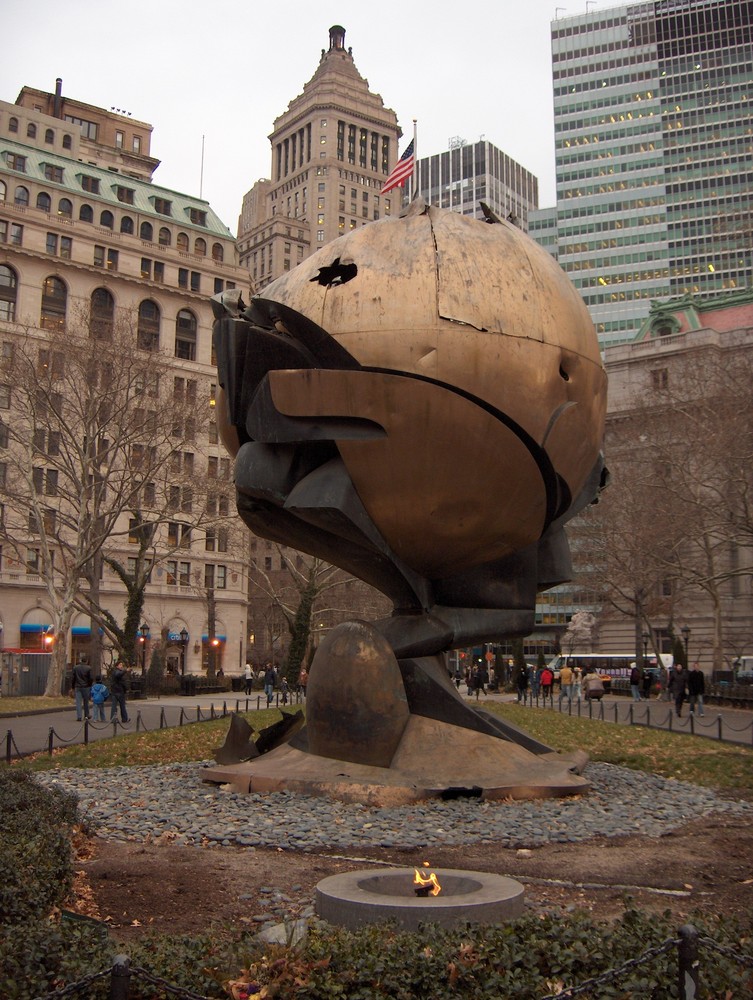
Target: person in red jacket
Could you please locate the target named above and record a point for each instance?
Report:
(547, 682)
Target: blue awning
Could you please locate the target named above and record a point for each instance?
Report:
(31, 627)
(222, 638)
(81, 630)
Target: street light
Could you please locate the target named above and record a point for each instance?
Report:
(184, 646)
(685, 637)
(143, 633)
(645, 638)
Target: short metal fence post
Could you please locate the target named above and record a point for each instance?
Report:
(687, 971)
(211, 711)
(120, 978)
(719, 724)
(669, 720)
(258, 702)
(180, 720)
(86, 732)
(648, 717)
(198, 713)
(631, 714)
(8, 745)
(49, 741)
(162, 719)
(616, 719)
(692, 723)
(224, 709)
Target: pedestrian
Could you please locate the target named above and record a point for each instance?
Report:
(566, 683)
(696, 689)
(664, 683)
(547, 683)
(269, 683)
(521, 682)
(248, 678)
(635, 681)
(118, 687)
(284, 690)
(678, 687)
(534, 679)
(303, 679)
(100, 694)
(577, 684)
(82, 684)
(648, 680)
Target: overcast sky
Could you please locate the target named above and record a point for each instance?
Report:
(225, 70)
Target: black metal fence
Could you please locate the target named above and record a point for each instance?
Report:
(114, 726)
(651, 714)
(692, 950)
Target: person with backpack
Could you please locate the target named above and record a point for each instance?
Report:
(100, 694)
(118, 687)
(82, 683)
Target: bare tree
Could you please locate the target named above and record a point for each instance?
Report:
(98, 454)
(310, 596)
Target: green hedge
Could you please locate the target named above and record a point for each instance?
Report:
(35, 854)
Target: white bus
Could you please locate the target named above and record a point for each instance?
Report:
(608, 665)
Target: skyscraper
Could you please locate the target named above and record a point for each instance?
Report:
(468, 173)
(654, 151)
(332, 150)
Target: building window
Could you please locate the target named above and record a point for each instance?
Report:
(8, 282)
(67, 141)
(146, 267)
(200, 247)
(54, 303)
(148, 325)
(21, 196)
(44, 202)
(125, 194)
(185, 336)
(102, 314)
(182, 242)
(197, 216)
(159, 271)
(126, 225)
(4, 397)
(52, 244)
(195, 281)
(86, 213)
(182, 277)
(136, 144)
(119, 137)
(13, 124)
(53, 173)
(88, 129)
(146, 232)
(49, 136)
(660, 378)
(99, 256)
(65, 208)
(165, 237)
(218, 252)
(90, 184)
(16, 162)
(107, 220)
(16, 234)
(163, 207)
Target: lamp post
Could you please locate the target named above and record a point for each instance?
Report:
(645, 645)
(143, 633)
(183, 649)
(685, 638)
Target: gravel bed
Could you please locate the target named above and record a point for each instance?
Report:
(145, 803)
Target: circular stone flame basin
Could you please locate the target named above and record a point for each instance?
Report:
(362, 897)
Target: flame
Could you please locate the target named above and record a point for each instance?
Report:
(429, 884)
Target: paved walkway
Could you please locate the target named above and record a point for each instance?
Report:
(31, 733)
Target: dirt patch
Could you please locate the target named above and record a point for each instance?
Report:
(704, 867)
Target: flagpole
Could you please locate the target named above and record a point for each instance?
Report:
(415, 159)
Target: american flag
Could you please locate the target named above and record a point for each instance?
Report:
(401, 171)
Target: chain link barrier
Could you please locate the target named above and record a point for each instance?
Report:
(735, 956)
(612, 974)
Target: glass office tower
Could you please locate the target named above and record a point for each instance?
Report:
(653, 106)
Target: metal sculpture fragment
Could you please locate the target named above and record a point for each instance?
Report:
(421, 403)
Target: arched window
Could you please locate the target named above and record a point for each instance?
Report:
(13, 124)
(44, 202)
(8, 283)
(49, 136)
(54, 301)
(102, 314)
(65, 208)
(217, 252)
(3, 191)
(185, 335)
(148, 330)
(107, 219)
(146, 232)
(182, 242)
(21, 196)
(165, 239)
(200, 247)
(126, 225)
(67, 142)
(86, 213)
(31, 131)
